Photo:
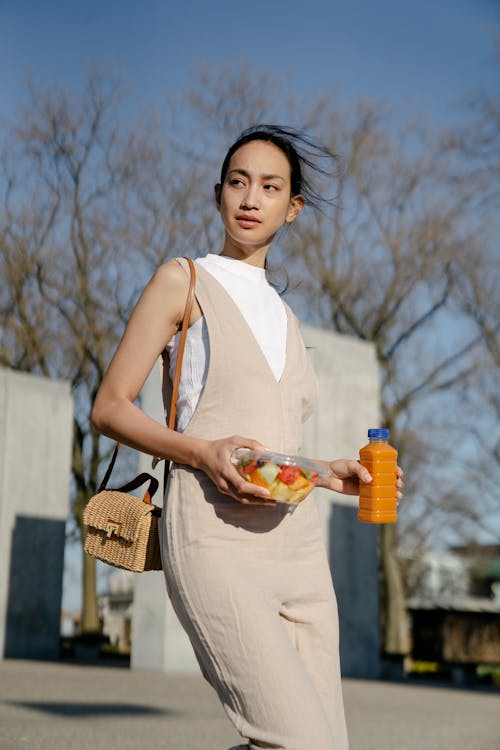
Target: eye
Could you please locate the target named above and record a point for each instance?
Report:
(270, 188)
(236, 182)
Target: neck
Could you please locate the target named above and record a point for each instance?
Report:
(253, 255)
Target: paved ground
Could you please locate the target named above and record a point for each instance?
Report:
(49, 706)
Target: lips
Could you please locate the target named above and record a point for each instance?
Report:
(247, 222)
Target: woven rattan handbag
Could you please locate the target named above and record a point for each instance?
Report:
(122, 529)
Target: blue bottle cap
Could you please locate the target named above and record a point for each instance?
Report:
(378, 432)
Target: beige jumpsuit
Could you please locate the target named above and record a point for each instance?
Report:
(251, 585)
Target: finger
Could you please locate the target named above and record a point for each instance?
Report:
(224, 489)
(399, 471)
(252, 500)
(227, 488)
(244, 500)
(242, 442)
(332, 483)
(357, 469)
(365, 475)
(242, 487)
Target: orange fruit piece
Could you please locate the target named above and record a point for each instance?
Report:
(300, 483)
(257, 478)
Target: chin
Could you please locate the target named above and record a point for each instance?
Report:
(249, 244)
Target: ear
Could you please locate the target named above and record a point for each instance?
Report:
(295, 207)
(217, 193)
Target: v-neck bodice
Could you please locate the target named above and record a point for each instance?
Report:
(241, 394)
(241, 321)
(259, 304)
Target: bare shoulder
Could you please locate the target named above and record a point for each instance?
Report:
(171, 276)
(171, 280)
(169, 285)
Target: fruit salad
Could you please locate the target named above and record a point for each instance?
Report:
(288, 478)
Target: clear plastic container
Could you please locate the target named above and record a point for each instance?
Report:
(289, 479)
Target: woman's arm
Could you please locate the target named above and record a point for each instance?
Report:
(152, 324)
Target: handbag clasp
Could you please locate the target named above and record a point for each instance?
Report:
(113, 527)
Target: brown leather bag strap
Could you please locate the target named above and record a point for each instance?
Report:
(137, 482)
(175, 390)
(182, 342)
(111, 465)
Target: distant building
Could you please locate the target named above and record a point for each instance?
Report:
(115, 609)
(465, 571)
(483, 567)
(435, 575)
(454, 606)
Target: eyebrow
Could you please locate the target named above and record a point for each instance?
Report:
(263, 176)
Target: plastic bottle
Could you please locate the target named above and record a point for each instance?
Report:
(377, 500)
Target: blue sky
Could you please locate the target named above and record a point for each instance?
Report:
(419, 57)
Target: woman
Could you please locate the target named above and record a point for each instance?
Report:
(249, 581)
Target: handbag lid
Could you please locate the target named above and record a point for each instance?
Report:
(117, 513)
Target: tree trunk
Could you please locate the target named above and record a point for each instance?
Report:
(90, 611)
(395, 637)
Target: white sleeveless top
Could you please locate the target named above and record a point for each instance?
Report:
(261, 308)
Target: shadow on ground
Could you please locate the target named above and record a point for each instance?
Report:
(75, 710)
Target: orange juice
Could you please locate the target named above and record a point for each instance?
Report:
(377, 500)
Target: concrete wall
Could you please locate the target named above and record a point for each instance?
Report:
(35, 450)
(158, 640)
(348, 405)
(354, 564)
(349, 399)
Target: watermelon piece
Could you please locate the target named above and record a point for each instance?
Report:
(289, 474)
(247, 465)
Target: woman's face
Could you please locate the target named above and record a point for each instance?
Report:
(254, 201)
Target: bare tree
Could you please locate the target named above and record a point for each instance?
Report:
(392, 265)
(475, 149)
(88, 211)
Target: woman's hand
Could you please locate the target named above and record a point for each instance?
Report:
(215, 461)
(346, 476)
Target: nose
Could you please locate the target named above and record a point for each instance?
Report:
(250, 199)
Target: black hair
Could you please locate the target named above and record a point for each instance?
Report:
(304, 155)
